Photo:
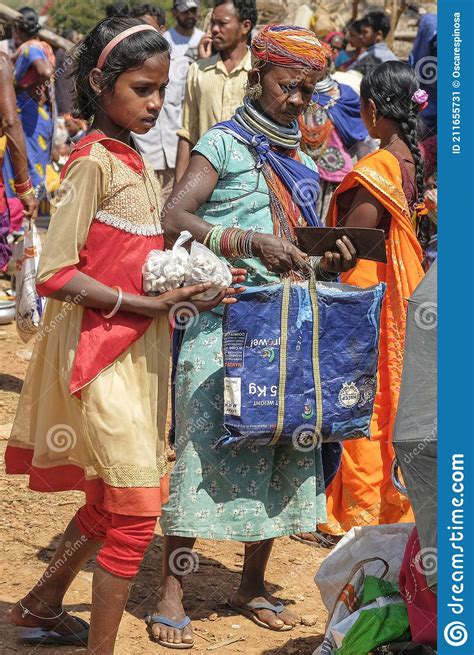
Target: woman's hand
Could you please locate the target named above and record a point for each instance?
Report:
(238, 275)
(30, 206)
(338, 262)
(278, 255)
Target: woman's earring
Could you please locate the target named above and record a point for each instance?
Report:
(374, 120)
(312, 108)
(254, 91)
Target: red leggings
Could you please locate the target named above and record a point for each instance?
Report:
(125, 538)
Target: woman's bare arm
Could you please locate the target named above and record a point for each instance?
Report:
(365, 210)
(189, 193)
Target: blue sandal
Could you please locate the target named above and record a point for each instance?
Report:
(53, 638)
(178, 625)
(248, 610)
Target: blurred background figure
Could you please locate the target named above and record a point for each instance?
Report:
(423, 58)
(336, 41)
(76, 129)
(375, 26)
(160, 144)
(151, 14)
(11, 137)
(215, 86)
(34, 65)
(354, 40)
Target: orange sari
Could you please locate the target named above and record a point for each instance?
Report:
(362, 492)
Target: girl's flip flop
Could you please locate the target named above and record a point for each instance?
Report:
(178, 625)
(248, 610)
(53, 638)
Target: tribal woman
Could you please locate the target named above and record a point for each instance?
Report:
(245, 207)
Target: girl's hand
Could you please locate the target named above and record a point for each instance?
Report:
(182, 302)
(338, 262)
(278, 255)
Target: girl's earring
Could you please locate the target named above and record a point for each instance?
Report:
(374, 120)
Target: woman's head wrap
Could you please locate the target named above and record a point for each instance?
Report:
(290, 47)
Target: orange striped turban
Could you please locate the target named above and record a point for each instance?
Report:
(289, 46)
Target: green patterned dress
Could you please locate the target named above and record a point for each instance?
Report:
(245, 493)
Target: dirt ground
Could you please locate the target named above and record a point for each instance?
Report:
(30, 526)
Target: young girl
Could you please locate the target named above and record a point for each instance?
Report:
(92, 412)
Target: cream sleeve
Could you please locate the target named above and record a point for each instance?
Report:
(74, 207)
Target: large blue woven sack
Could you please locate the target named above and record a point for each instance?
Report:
(300, 363)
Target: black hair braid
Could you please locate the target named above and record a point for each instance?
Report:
(391, 86)
(129, 54)
(408, 128)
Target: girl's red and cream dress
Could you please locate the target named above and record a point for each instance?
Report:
(92, 411)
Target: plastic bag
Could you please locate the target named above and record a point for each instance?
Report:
(300, 363)
(29, 305)
(164, 270)
(205, 266)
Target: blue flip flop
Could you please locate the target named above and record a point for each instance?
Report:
(248, 610)
(178, 625)
(53, 638)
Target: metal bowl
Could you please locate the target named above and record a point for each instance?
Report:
(7, 311)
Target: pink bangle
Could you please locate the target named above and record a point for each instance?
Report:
(117, 304)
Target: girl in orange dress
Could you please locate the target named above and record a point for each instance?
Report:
(91, 415)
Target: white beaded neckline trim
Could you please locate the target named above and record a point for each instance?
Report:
(128, 226)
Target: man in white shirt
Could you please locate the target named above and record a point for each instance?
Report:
(159, 145)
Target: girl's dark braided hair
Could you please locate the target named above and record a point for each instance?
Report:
(391, 86)
(129, 54)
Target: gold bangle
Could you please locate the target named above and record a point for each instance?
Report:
(25, 194)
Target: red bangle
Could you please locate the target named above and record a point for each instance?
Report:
(23, 187)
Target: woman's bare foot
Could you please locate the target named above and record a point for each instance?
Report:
(282, 621)
(170, 605)
(320, 538)
(26, 615)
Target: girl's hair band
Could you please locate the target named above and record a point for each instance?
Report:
(117, 39)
